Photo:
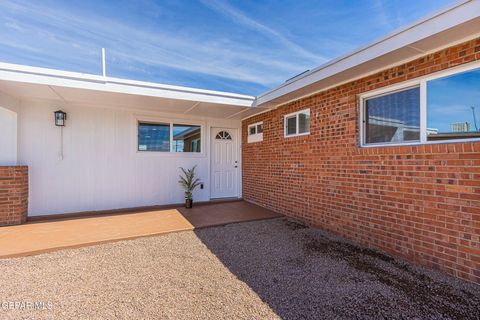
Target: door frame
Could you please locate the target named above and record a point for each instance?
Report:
(238, 150)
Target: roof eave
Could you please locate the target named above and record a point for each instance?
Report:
(35, 75)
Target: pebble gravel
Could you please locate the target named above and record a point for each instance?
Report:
(267, 269)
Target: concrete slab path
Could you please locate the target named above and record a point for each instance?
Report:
(44, 236)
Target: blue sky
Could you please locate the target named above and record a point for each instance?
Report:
(238, 46)
(451, 99)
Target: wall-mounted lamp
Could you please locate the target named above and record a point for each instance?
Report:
(60, 118)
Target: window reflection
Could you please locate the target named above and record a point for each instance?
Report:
(453, 106)
(186, 138)
(153, 137)
(304, 122)
(292, 125)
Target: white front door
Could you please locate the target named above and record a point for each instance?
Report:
(224, 166)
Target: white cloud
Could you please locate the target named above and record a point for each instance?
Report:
(71, 37)
(241, 18)
(382, 15)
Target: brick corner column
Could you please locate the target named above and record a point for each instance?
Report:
(13, 195)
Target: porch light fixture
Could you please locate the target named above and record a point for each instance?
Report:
(60, 118)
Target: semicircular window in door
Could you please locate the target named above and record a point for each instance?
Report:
(223, 135)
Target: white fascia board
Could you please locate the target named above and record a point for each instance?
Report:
(27, 74)
(456, 14)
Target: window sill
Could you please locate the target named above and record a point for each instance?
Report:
(171, 154)
(255, 138)
(418, 143)
(297, 135)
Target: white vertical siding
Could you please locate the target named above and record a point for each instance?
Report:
(8, 130)
(101, 168)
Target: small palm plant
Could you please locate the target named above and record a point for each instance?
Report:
(189, 182)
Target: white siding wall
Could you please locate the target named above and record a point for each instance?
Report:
(101, 168)
(8, 130)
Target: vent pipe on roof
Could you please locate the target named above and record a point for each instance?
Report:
(296, 76)
(104, 64)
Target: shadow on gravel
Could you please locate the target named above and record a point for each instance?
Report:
(303, 273)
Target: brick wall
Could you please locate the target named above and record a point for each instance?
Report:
(418, 202)
(13, 195)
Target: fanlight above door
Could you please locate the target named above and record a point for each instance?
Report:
(223, 135)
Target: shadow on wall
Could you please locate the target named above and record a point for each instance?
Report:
(302, 273)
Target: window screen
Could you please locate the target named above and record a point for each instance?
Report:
(393, 117)
(291, 125)
(153, 137)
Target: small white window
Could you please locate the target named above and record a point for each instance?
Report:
(255, 132)
(297, 123)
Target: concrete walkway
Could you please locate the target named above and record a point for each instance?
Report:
(38, 237)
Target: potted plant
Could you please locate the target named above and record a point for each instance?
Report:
(188, 181)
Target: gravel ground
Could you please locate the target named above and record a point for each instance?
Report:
(258, 270)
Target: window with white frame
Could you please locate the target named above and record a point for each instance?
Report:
(453, 106)
(297, 123)
(393, 117)
(169, 137)
(255, 132)
(441, 107)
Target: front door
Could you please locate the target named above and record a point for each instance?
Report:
(224, 166)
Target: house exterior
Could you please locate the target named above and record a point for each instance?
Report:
(380, 146)
(122, 144)
(372, 153)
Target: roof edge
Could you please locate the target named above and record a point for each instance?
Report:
(70, 75)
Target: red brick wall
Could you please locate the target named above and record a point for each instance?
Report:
(13, 194)
(418, 202)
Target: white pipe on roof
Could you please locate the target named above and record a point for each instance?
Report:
(104, 64)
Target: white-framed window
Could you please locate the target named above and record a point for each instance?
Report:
(439, 108)
(393, 117)
(297, 123)
(255, 132)
(169, 137)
